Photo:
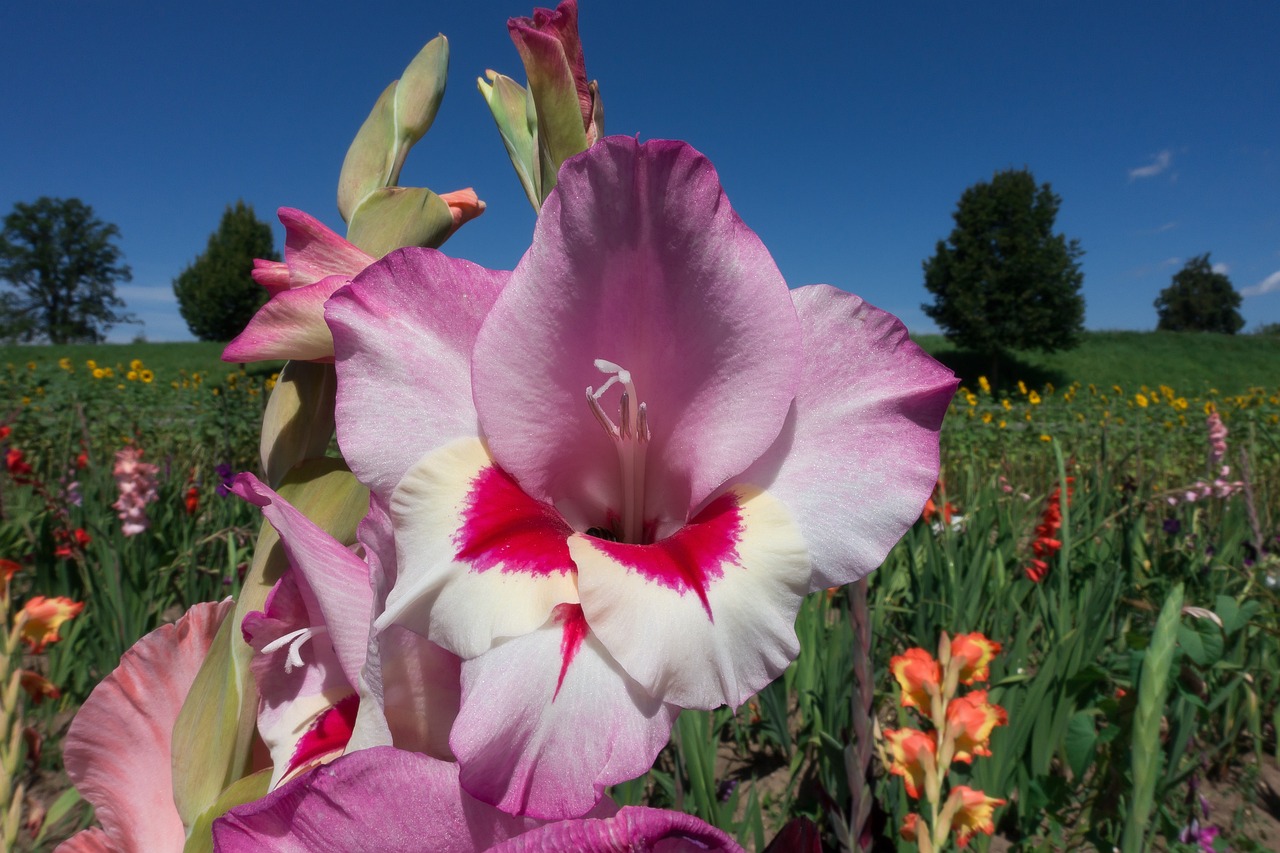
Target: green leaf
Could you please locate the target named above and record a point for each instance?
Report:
(1081, 739)
(420, 90)
(299, 419)
(1202, 641)
(512, 111)
(246, 790)
(57, 811)
(371, 157)
(391, 218)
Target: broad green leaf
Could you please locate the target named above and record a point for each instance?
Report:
(369, 161)
(298, 422)
(246, 790)
(391, 218)
(1079, 744)
(420, 90)
(1202, 641)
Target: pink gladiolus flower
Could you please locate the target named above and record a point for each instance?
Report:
(614, 473)
(1217, 437)
(551, 51)
(136, 482)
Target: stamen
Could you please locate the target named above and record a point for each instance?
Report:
(630, 437)
(294, 640)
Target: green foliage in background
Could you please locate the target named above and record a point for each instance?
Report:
(1003, 280)
(62, 264)
(1199, 299)
(216, 294)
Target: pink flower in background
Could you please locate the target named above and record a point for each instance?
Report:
(1217, 437)
(614, 473)
(136, 483)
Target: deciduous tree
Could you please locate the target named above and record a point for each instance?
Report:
(61, 264)
(1003, 280)
(1199, 299)
(216, 294)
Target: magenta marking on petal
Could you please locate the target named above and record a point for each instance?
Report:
(575, 631)
(502, 526)
(329, 735)
(690, 558)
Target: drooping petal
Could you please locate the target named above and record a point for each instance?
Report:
(403, 334)
(91, 840)
(478, 559)
(549, 719)
(859, 454)
(118, 749)
(634, 828)
(334, 580)
(707, 616)
(638, 259)
(313, 252)
(290, 326)
(381, 799)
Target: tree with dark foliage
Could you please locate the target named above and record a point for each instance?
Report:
(1199, 299)
(61, 264)
(216, 294)
(1003, 280)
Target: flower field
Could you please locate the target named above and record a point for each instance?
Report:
(1116, 549)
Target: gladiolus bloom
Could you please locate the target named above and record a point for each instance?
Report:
(915, 756)
(614, 473)
(919, 676)
(8, 568)
(972, 812)
(136, 482)
(910, 828)
(38, 687)
(970, 721)
(42, 617)
(974, 653)
(551, 50)
(192, 500)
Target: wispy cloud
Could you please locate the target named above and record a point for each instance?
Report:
(1221, 268)
(1169, 262)
(1162, 162)
(1270, 284)
(1160, 229)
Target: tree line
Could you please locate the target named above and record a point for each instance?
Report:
(1002, 281)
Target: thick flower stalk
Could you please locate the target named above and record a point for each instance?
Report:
(961, 730)
(136, 484)
(614, 473)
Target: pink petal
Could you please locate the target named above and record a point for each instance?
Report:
(634, 828)
(859, 456)
(549, 719)
(479, 560)
(335, 581)
(290, 325)
(403, 334)
(380, 799)
(313, 252)
(637, 258)
(91, 840)
(706, 617)
(117, 751)
(273, 275)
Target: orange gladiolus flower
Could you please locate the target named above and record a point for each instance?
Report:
(9, 568)
(37, 686)
(43, 617)
(970, 720)
(971, 813)
(916, 671)
(910, 828)
(975, 652)
(914, 756)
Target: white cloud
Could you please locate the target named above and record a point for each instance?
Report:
(1270, 284)
(1221, 268)
(1170, 262)
(1162, 162)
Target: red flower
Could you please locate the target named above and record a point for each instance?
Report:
(192, 500)
(4, 432)
(1046, 544)
(82, 460)
(18, 467)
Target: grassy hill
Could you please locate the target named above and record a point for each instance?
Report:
(1189, 362)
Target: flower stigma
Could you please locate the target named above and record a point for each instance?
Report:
(294, 640)
(631, 440)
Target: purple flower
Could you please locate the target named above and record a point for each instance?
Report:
(224, 472)
(1172, 526)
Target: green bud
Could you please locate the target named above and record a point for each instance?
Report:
(392, 217)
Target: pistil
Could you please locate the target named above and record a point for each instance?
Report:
(631, 440)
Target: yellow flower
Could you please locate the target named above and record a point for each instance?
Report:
(98, 373)
(1045, 437)
(132, 375)
(136, 364)
(1141, 400)
(1008, 407)
(971, 398)
(107, 371)
(986, 417)
(984, 384)
(31, 365)
(1002, 424)
(1022, 388)
(91, 364)
(65, 364)
(1033, 398)
(1209, 408)
(146, 375)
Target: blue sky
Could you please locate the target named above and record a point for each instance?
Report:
(843, 133)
